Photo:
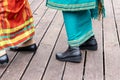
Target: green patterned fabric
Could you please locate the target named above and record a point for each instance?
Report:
(77, 5)
(71, 5)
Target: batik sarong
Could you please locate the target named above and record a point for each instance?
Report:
(16, 23)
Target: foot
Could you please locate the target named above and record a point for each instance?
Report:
(32, 47)
(3, 58)
(72, 54)
(90, 44)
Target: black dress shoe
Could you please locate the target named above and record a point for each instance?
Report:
(90, 44)
(4, 59)
(32, 47)
(72, 54)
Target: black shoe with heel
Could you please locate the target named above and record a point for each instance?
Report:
(90, 44)
(4, 59)
(32, 47)
(72, 54)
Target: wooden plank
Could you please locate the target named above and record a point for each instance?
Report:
(39, 13)
(35, 4)
(40, 60)
(74, 71)
(111, 46)
(55, 68)
(17, 66)
(94, 61)
(38, 10)
(30, 1)
(116, 6)
(4, 67)
(44, 24)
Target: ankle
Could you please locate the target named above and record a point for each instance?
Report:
(2, 52)
(27, 43)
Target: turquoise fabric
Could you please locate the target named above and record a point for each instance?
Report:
(77, 17)
(78, 5)
(78, 26)
(71, 5)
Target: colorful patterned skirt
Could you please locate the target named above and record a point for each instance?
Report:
(16, 23)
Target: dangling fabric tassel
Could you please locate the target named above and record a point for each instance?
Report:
(99, 11)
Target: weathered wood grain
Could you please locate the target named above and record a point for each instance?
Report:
(111, 46)
(94, 61)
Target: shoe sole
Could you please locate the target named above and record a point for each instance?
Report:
(5, 62)
(26, 48)
(93, 48)
(76, 59)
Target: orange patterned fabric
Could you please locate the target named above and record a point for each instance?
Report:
(16, 23)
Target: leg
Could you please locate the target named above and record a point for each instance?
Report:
(29, 45)
(79, 29)
(26, 30)
(3, 57)
(90, 44)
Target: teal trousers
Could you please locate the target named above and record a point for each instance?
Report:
(78, 26)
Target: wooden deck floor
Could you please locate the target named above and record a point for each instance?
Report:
(103, 64)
